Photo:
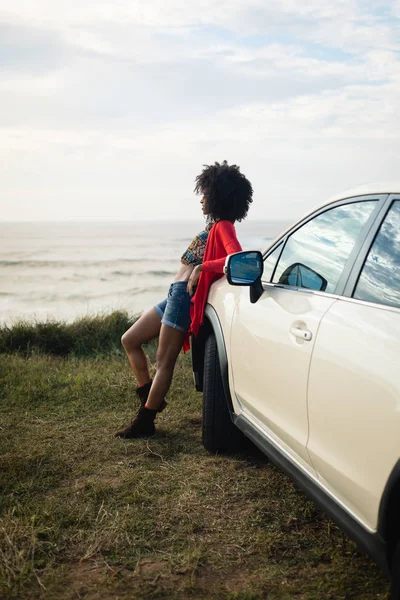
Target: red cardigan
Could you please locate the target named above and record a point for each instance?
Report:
(221, 241)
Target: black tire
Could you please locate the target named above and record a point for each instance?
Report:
(219, 432)
(395, 589)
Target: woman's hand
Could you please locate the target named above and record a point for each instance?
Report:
(193, 279)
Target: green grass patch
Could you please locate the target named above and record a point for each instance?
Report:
(87, 515)
(99, 334)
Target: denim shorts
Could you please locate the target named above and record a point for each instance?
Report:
(175, 309)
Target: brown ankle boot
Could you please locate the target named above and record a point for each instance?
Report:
(141, 426)
(143, 392)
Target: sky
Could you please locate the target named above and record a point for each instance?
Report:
(109, 110)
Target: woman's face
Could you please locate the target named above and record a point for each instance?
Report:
(204, 203)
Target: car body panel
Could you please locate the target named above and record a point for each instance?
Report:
(270, 364)
(354, 403)
(223, 298)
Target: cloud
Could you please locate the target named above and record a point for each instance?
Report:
(25, 49)
(106, 103)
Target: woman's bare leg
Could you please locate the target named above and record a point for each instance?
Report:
(170, 343)
(146, 328)
(169, 346)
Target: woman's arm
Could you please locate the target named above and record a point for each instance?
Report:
(227, 234)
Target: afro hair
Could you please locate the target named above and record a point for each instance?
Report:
(228, 192)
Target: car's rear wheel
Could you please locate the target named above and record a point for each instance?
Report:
(395, 590)
(219, 432)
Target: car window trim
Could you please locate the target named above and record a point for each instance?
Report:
(282, 242)
(381, 200)
(307, 291)
(362, 256)
(374, 305)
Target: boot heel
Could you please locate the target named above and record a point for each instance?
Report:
(141, 426)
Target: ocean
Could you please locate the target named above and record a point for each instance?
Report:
(66, 270)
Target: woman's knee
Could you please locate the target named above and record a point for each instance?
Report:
(123, 341)
(129, 342)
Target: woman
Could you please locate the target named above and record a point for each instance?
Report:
(226, 197)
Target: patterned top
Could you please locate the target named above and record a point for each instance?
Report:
(195, 252)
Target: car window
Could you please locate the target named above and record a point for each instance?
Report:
(315, 254)
(379, 280)
(270, 262)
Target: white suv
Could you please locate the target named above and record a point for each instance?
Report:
(300, 352)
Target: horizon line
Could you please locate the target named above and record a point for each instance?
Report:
(113, 220)
(127, 221)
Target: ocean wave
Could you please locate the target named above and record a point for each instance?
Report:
(123, 273)
(155, 273)
(160, 273)
(86, 297)
(163, 290)
(82, 263)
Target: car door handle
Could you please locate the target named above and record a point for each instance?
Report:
(303, 334)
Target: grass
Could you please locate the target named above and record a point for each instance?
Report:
(99, 334)
(86, 515)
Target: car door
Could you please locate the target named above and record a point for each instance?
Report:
(354, 387)
(272, 340)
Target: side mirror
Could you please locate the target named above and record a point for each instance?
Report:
(300, 275)
(246, 268)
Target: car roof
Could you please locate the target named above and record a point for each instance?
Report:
(366, 189)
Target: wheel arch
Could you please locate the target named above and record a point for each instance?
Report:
(211, 324)
(389, 512)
